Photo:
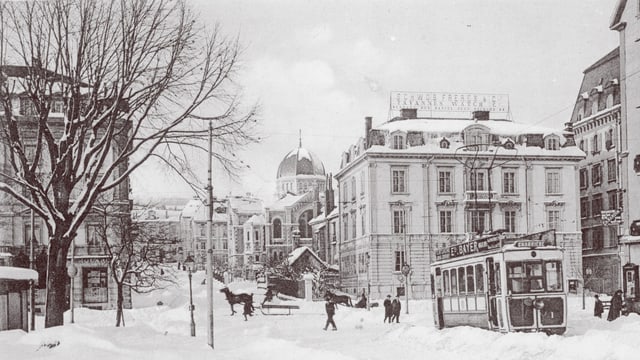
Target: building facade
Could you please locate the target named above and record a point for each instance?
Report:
(596, 122)
(626, 21)
(416, 184)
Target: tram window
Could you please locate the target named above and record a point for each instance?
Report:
(553, 271)
(445, 277)
(454, 282)
(515, 277)
(479, 278)
(497, 274)
(461, 280)
(470, 279)
(534, 274)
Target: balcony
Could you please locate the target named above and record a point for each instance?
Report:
(480, 196)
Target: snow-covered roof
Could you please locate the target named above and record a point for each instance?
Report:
(5, 254)
(286, 201)
(16, 273)
(256, 219)
(244, 204)
(297, 252)
(497, 127)
(191, 208)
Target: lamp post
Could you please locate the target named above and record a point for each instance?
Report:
(71, 271)
(189, 263)
(209, 272)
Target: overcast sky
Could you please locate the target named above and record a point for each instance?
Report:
(322, 66)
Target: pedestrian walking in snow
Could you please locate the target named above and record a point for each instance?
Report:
(387, 309)
(395, 309)
(330, 308)
(616, 306)
(598, 308)
(248, 309)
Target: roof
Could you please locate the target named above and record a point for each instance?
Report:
(617, 14)
(245, 204)
(256, 219)
(22, 71)
(298, 252)
(16, 273)
(191, 208)
(444, 125)
(287, 201)
(300, 161)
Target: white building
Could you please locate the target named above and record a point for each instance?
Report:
(415, 184)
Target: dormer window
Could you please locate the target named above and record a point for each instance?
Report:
(476, 135)
(398, 142)
(444, 143)
(552, 142)
(509, 144)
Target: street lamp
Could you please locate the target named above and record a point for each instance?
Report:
(189, 263)
(72, 271)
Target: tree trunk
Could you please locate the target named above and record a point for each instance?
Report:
(57, 278)
(119, 305)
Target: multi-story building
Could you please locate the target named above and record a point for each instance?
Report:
(626, 20)
(93, 285)
(596, 122)
(193, 234)
(418, 183)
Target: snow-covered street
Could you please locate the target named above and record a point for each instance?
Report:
(162, 332)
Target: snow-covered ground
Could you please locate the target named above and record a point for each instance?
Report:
(162, 332)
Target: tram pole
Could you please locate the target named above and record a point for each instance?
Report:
(405, 270)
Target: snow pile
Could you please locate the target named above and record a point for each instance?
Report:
(162, 332)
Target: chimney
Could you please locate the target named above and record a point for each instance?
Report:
(481, 115)
(409, 113)
(367, 130)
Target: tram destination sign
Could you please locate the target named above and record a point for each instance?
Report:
(468, 247)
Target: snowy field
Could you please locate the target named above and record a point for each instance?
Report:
(162, 332)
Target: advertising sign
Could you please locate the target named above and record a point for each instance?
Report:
(449, 102)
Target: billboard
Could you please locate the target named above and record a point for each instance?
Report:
(449, 102)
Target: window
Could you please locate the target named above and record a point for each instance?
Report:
(611, 170)
(353, 188)
(479, 278)
(553, 272)
(553, 181)
(27, 107)
(582, 145)
(362, 180)
(586, 239)
(598, 238)
(57, 106)
(94, 285)
(400, 260)
(461, 281)
(584, 178)
(399, 221)
(454, 282)
(445, 281)
(444, 181)
(445, 221)
(363, 220)
(613, 199)
(594, 107)
(510, 221)
(345, 227)
(596, 205)
(595, 144)
(477, 221)
(596, 174)
(398, 180)
(584, 208)
(27, 234)
(608, 139)
(553, 219)
(277, 229)
(476, 180)
(353, 225)
(613, 236)
(398, 142)
(552, 143)
(470, 279)
(93, 235)
(509, 182)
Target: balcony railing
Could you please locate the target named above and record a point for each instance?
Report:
(480, 196)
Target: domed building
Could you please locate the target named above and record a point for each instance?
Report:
(300, 183)
(299, 172)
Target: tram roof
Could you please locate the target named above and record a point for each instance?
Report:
(496, 242)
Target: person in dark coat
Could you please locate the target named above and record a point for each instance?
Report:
(395, 309)
(268, 296)
(387, 309)
(330, 308)
(248, 309)
(616, 306)
(598, 308)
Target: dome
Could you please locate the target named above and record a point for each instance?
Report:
(300, 161)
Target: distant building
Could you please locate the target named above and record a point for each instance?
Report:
(163, 226)
(423, 181)
(299, 180)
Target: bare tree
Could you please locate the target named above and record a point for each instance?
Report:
(135, 251)
(91, 90)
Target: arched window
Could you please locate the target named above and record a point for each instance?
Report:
(277, 229)
(303, 224)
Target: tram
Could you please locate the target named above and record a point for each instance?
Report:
(502, 284)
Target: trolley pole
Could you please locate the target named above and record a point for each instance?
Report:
(32, 283)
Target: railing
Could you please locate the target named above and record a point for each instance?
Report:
(480, 195)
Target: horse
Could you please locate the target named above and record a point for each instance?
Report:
(237, 298)
(338, 299)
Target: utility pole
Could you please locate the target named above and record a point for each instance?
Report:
(209, 272)
(33, 267)
(405, 269)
